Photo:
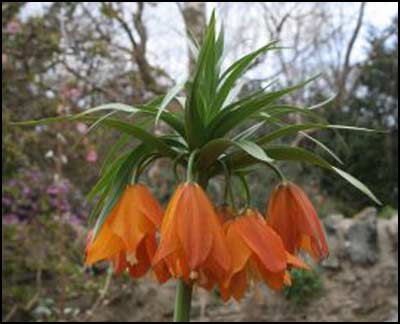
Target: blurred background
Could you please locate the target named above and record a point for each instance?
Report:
(61, 58)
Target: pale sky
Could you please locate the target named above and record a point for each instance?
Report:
(167, 46)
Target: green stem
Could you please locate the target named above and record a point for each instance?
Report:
(135, 176)
(246, 190)
(277, 171)
(190, 171)
(183, 301)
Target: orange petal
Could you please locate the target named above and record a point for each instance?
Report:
(282, 218)
(308, 222)
(169, 242)
(149, 205)
(119, 262)
(287, 279)
(128, 222)
(194, 232)
(177, 265)
(296, 262)
(105, 246)
(219, 260)
(263, 241)
(206, 279)
(224, 292)
(161, 272)
(275, 280)
(239, 250)
(141, 263)
(238, 285)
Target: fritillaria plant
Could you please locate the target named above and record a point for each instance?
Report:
(198, 243)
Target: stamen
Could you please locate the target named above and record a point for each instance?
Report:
(203, 279)
(131, 258)
(194, 275)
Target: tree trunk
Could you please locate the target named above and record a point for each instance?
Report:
(194, 16)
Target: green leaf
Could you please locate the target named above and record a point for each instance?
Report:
(293, 129)
(253, 150)
(230, 117)
(236, 70)
(107, 177)
(323, 103)
(169, 118)
(323, 146)
(211, 151)
(357, 184)
(124, 127)
(111, 106)
(141, 134)
(243, 62)
(194, 128)
(201, 91)
(287, 153)
(44, 121)
(248, 132)
(275, 112)
(117, 147)
(215, 148)
(168, 98)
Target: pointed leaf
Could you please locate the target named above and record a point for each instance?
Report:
(168, 98)
(357, 184)
(253, 150)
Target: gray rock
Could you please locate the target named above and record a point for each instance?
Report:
(331, 223)
(367, 214)
(393, 230)
(332, 263)
(394, 317)
(361, 238)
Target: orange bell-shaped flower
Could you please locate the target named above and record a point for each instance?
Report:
(292, 215)
(258, 254)
(127, 237)
(192, 242)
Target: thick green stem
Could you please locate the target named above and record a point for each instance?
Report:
(183, 301)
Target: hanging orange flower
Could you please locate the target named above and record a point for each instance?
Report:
(258, 254)
(291, 213)
(192, 243)
(127, 237)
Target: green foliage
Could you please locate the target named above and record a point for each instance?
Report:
(371, 157)
(306, 285)
(43, 274)
(387, 212)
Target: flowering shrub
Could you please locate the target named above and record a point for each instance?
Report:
(34, 194)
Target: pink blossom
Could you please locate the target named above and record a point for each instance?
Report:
(92, 155)
(72, 93)
(13, 27)
(81, 128)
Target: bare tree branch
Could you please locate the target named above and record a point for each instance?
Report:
(346, 65)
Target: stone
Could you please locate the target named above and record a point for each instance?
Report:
(331, 223)
(331, 263)
(393, 231)
(361, 245)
